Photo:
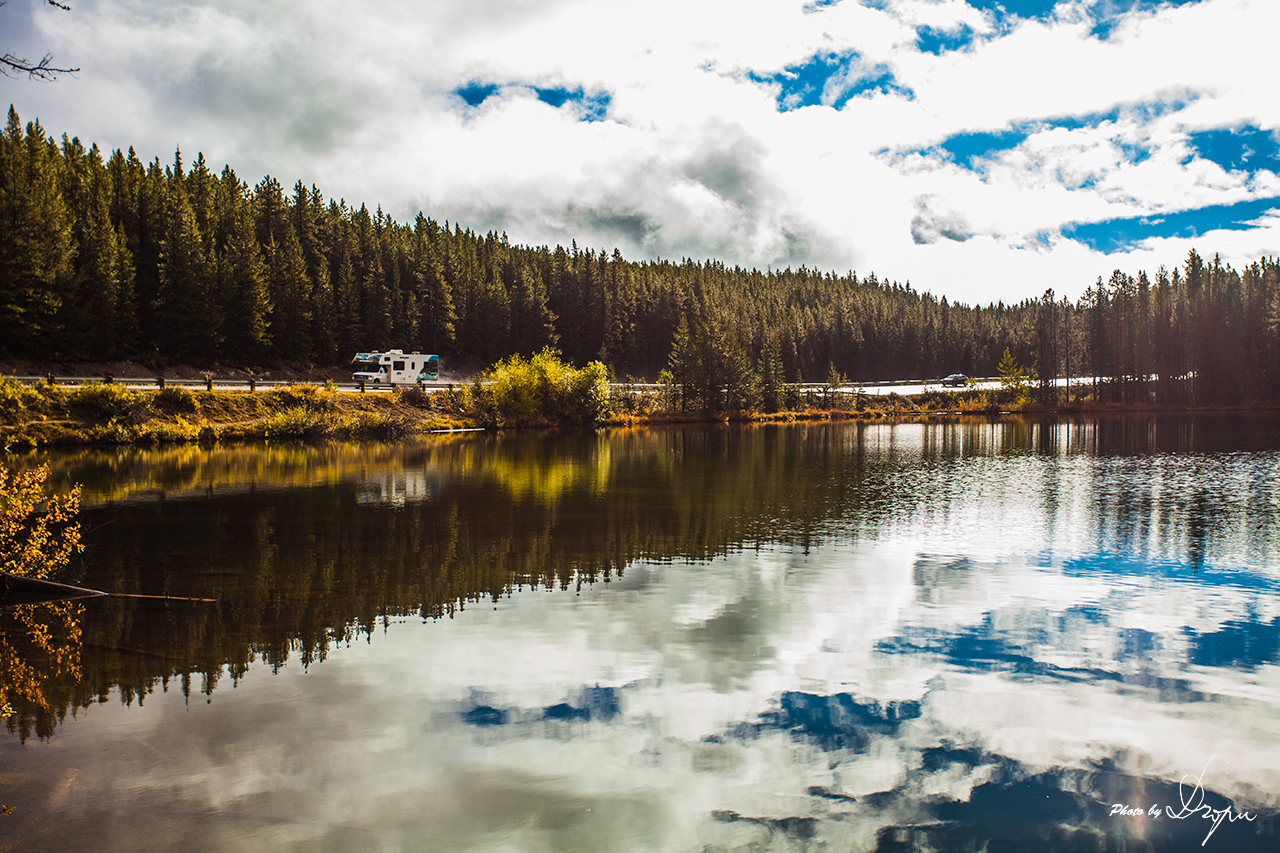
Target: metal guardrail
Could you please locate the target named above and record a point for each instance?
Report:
(253, 384)
(209, 383)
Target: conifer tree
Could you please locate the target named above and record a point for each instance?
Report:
(685, 362)
(1047, 346)
(377, 304)
(346, 293)
(242, 278)
(532, 323)
(434, 295)
(770, 372)
(36, 250)
(308, 218)
(201, 189)
(290, 291)
(151, 207)
(107, 283)
(75, 322)
(187, 317)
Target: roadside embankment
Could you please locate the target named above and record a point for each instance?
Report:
(102, 413)
(515, 394)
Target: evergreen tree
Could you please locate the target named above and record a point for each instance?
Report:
(290, 291)
(36, 250)
(309, 224)
(1047, 347)
(434, 295)
(377, 304)
(532, 323)
(770, 371)
(242, 280)
(186, 313)
(107, 271)
(685, 362)
(151, 213)
(346, 293)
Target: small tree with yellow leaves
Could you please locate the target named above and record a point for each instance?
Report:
(38, 534)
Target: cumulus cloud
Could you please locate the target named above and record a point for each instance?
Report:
(929, 226)
(701, 138)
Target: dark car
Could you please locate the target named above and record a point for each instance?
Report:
(955, 380)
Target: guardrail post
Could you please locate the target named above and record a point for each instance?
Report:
(108, 378)
(253, 383)
(208, 383)
(50, 378)
(160, 382)
(361, 386)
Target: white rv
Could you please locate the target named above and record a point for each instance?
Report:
(395, 367)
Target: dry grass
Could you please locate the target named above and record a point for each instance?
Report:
(112, 414)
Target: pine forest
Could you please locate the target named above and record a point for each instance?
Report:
(112, 258)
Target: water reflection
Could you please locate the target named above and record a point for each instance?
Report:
(40, 652)
(865, 637)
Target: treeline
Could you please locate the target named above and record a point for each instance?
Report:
(1200, 335)
(108, 258)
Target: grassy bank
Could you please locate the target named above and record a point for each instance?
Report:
(102, 413)
(540, 392)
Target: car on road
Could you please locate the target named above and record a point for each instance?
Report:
(955, 380)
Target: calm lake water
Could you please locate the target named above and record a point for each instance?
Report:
(976, 636)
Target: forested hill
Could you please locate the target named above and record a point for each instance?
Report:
(108, 258)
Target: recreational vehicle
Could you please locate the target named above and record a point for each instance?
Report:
(395, 367)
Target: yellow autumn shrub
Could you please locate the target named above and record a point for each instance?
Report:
(38, 534)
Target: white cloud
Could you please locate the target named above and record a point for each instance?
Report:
(693, 157)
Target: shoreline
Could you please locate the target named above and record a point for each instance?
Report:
(105, 415)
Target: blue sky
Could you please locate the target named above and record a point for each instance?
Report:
(1040, 143)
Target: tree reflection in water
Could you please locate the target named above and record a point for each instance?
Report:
(40, 647)
(306, 546)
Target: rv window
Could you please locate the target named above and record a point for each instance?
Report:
(399, 365)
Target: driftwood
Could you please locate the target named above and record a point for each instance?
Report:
(16, 589)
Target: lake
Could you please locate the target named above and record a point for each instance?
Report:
(1020, 635)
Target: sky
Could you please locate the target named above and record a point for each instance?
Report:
(982, 151)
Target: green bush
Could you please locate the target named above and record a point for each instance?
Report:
(310, 397)
(16, 398)
(103, 402)
(177, 398)
(296, 422)
(455, 400)
(589, 394)
(542, 391)
(366, 425)
(414, 396)
(300, 424)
